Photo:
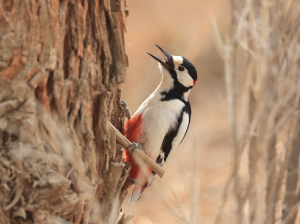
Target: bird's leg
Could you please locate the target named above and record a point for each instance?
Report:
(127, 111)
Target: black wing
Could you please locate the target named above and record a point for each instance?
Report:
(166, 146)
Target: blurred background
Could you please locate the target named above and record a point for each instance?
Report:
(197, 172)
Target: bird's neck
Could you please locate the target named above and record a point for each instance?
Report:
(166, 83)
(169, 90)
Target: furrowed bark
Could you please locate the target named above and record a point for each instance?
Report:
(61, 67)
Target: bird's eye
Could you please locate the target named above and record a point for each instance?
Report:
(181, 68)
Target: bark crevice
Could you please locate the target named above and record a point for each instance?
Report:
(61, 66)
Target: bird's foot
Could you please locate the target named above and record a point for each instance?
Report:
(135, 146)
(127, 111)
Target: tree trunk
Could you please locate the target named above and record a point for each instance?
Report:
(61, 66)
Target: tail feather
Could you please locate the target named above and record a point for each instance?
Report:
(150, 180)
(136, 193)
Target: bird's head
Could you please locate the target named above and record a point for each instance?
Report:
(182, 72)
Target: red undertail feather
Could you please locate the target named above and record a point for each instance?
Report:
(132, 128)
(133, 132)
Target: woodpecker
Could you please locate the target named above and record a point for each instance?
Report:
(162, 120)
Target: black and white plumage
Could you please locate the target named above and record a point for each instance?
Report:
(161, 122)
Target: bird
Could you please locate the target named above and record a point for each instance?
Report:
(161, 122)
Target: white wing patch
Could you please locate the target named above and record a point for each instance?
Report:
(181, 131)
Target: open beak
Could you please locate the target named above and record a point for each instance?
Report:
(162, 61)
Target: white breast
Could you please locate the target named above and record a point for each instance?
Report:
(158, 117)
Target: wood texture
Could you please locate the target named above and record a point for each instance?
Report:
(61, 66)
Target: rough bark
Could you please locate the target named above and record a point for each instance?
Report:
(292, 196)
(61, 66)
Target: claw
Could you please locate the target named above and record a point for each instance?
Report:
(136, 146)
(127, 111)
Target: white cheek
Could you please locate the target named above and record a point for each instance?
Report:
(185, 79)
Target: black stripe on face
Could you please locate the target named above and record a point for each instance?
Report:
(177, 91)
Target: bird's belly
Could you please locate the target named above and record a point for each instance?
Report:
(157, 121)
